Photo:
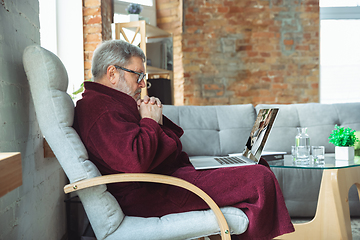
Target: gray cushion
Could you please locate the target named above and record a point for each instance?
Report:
(320, 120)
(300, 188)
(55, 113)
(55, 110)
(180, 226)
(213, 130)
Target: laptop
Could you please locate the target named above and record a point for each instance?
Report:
(253, 148)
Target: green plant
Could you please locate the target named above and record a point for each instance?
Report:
(80, 90)
(343, 137)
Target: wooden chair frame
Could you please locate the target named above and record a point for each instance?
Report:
(155, 178)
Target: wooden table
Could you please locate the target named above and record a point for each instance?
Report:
(332, 217)
(10, 172)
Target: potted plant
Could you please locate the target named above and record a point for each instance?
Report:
(344, 140)
(134, 10)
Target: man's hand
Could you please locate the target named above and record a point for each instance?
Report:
(150, 107)
(152, 100)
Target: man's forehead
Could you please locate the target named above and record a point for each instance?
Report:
(136, 63)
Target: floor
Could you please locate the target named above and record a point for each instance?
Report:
(355, 228)
(355, 225)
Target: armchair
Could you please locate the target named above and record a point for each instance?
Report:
(55, 113)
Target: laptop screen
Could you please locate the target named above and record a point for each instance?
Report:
(260, 133)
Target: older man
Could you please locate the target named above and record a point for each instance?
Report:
(124, 133)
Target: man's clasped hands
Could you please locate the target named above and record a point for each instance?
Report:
(150, 107)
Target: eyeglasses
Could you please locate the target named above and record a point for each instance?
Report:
(141, 75)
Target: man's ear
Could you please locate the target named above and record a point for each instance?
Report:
(111, 74)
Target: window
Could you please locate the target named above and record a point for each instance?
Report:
(339, 51)
(337, 3)
(61, 32)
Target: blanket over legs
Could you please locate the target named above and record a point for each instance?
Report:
(254, 189)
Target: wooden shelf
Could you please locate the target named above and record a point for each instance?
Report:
(10, 172)
(150, 30)
(155, 70)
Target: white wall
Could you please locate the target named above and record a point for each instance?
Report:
(61, 28)
(36, 210)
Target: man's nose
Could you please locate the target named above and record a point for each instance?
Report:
(142, 83)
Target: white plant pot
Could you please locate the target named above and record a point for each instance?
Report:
(344, 153)
(134, 17)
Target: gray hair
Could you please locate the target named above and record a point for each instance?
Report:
(113, 52)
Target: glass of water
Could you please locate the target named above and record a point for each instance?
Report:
(318, 154)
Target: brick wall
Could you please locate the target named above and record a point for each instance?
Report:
(98, 16)
(238, 51)
(232, 51)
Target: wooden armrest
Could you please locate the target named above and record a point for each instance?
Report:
(155, 178)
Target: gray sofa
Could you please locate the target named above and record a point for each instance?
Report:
(220, 130)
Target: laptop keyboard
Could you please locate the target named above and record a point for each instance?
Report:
(229, 160)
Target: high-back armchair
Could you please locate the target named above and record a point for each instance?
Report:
(55, 113)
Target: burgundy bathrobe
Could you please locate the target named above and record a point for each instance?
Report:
(119, 141)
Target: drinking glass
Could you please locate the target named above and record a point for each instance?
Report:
(318, 154)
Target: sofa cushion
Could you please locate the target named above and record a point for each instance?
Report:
(320, 120)
(213, 130)
(300, 188)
